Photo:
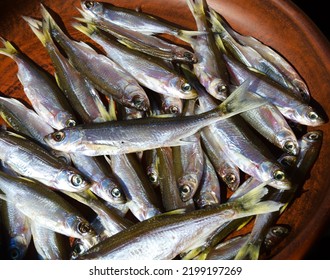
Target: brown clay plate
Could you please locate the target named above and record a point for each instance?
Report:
(277, 23)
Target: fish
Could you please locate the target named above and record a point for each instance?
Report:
(106, 185)
(104, 13)
(210, 67)
(208, 192)
(241, 144)
(150, 72)
(141, 196)
(31, 160)
(268, 121)
(166, 236)
(284, 66)
(50, 245)
(148, 44)
(127, 136)
(104, 74)
(171, 193)
(17, 231)
(292, 107)
(110, 220)
(44, 206)
(41, 90)
(189, 160)
(81, 94)
(310, 143)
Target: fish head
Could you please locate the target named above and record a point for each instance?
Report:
(70, 179)
(17, 247)
(66, 140)
(288, 142)
(64, 119)
(137, 98)
(78, 226)
(183, 86)
(275, 174)
(305, 115)
(185, 55)
(188, 185)
(93, 8)
(218, 89)
(111, 191)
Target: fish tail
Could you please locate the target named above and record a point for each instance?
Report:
(252, 204)
(87, 30)
(197, 7)
(241, 100)
(86, 17)
(8, 49)
(36, 27)
(249, 251)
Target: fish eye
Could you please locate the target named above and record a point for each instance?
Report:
(78, 249)
(70, 123)
(289, 146)
(84, 228)
(222, 89)
(230, 178)
(116, 193)
(279, 231)
(313, 116)
(14, 253)
(153, 178)
(89, 4)
(77, 180)
(58, 136)
(174, 109)
(279, 175)
(186, 87)
(138, 101)
(185, 190)
(312, 136)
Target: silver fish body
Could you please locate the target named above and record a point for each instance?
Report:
(41, 90)
(119, 137)
(44, 206)
(32, 161)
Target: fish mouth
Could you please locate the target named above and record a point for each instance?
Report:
(140, 103)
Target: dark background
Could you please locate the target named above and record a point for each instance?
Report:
(318, 12)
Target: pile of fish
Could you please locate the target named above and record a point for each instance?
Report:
(150, 149)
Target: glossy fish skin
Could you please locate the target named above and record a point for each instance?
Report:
(166, 236)
(44, 206)
(102, 13)
(24, 120)
(149, 71)
(141, 197)
(310, 145)
(110, 220)
(210, 67)
(241, 144)
(105, 183)
(271, 55)
(80, 93)
(246, 54)
(119, 137)
(189, 160)
(292, 107)
(41, 90)
(18, 231)
(150, 162)
(32, 161)
(170, 192)
(107, 76)
(49, 244)
(271, 124)
(150, 45)
(225, 168)
(209, 190)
